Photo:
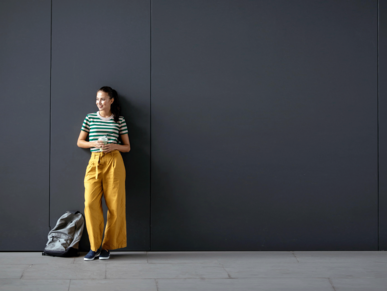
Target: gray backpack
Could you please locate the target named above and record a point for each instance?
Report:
(63, 239)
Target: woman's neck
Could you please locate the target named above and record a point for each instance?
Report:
(105, 114)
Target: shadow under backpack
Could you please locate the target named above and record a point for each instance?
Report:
(63, 239)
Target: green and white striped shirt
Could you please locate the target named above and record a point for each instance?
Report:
(97, 126)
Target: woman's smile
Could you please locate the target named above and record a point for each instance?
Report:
(103, 101)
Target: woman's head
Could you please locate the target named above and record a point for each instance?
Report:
(107, 98)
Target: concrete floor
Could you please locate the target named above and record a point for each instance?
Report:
(223, 271)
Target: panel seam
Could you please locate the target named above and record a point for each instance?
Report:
(49, 135)
(377, 120)
(150, 124)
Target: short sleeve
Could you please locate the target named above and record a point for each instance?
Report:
(86, 124)
(123, 127)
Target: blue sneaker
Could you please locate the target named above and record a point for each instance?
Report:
(91, 255)
(105, 254)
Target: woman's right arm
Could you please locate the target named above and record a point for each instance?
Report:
(82, 143)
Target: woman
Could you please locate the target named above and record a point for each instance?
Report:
(105, 174)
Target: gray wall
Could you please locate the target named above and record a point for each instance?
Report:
(382, 124)
(264, 125)
(25, 124)
(254, 125)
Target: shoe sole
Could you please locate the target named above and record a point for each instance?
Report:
(87, 259)
(104, 258)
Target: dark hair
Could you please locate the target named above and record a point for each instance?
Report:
(115, 107)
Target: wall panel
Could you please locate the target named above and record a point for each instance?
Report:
(98, 43)
(382, 92)
(25, 124)
(264, 125)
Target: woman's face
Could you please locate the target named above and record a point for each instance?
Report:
(103, 101)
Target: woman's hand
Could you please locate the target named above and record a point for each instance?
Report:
(108, 147)
(98, 144)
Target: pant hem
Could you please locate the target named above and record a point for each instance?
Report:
(114, 248)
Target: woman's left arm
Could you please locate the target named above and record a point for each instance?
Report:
(125, 147)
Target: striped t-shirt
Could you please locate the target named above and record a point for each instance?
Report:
(97, 126)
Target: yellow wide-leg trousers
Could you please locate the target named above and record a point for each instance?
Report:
(105, 174)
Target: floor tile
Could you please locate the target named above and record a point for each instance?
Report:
(183, 258)
(305, 270)
(341, 256)
(89, 270)
(34, 285)
(31, 258)
(359, 284)
(259, 257)
(12, 271)
(165, 271)
(261, 284)
(113, 285)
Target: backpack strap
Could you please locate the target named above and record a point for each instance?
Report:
(73, 211)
